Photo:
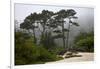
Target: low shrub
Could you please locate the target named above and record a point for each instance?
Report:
(85, 43)
(26, 52)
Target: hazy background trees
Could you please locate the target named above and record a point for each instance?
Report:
(36, 38)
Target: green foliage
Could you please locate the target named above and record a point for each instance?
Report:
(25, 25)
(49, 19)
(85, 43)
(56, 50)
(71, 12)
(23, 49)
(26, 52)
(44, 55)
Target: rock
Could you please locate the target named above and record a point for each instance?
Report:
(69, 53)
(67, 56)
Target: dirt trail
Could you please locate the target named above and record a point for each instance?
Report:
(84, 57)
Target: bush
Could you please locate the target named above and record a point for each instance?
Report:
(26, 52)
(85, 43)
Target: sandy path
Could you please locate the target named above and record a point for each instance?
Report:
(84, 57)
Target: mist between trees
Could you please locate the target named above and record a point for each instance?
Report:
(52, 30)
